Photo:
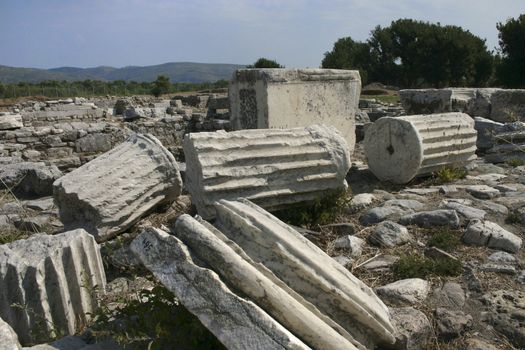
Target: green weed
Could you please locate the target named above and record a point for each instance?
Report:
(414, 266)
(445, 239)
(515, 162)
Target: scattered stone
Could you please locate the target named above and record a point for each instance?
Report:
(482, 191)
(452, 323)
(479, 344)
(406, 204)
(505, 312)
(56, 278)
(450, 295)
(341, 229)
(273, 168)
(353, 244)
(32, 224)
(413, 329)
(502, 257)
(441, 217)
(306, 269)
(467, 212)
(287, 98)
(41, 204)
(381, 263)
(498, 268)
(29, 179)
(361, 201)
(203, 293)
(409, 291)
(389, 234)
(345, 261)
(112, 192)
(11, 121)
(376, 215)
(490, 234)
(399, 149)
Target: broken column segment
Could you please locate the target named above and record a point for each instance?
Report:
(237, 322)
(261, 286)
(287, 98)
(271, 167)
(112, 192)
(307, 270)
(399, 149)
(49, 284)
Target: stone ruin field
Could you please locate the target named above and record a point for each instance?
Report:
(289, 212)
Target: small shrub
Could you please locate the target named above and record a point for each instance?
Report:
(155, 319)
(415, 266)
(512, 218)
(444, 239)
(515, 162)
(322, 211)
(448, 174)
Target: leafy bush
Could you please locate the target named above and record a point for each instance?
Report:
(445, 239)
(515, 162)
(322, 211)
(447, 175)
(415, 266)
(265, 63)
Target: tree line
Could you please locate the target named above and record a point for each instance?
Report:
(411, 54)
(90, 88)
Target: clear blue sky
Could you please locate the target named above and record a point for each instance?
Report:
(296, 33)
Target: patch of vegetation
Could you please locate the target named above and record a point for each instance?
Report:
(320, 212)
(384, 98)
(515, 162)
(445, 239)
(9, 236)
(415, 266)
(154, 321)
(265, 63)
(447, 175)
(512, 218)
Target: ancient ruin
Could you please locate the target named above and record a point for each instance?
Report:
(271, 167)
(399, 149)
(109, 194)
(49, 284)
(287, 98)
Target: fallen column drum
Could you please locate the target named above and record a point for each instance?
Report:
(399, 149)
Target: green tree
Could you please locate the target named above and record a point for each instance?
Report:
(414, 53)
(511, 70)
(265, 63)
(349, 54)
(161, 86)
(2, 89)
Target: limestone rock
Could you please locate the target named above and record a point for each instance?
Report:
(8, 337)
(237, 322)
(450, 295)
(307, 270)
(55, 277)
(287, 98)
(505, 311)
(452, 323)
(409, 291)
(376, 215)
(257, 283)
(413, 329)
(399, 149)
(466, 211)
(389, 234)
(361, 201)
(490, 234)
(112, 192)
(273, 168)
(10, 121)
(353, 244)
(29, 179)
(440, 217)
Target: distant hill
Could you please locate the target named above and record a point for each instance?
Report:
(187, 72)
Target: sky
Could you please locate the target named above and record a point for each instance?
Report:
(296, 33)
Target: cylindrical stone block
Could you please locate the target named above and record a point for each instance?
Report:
(271, 167)
(112, 192)
(49, 284)
(399, 149)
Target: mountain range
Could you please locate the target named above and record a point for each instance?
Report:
(187, 72)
